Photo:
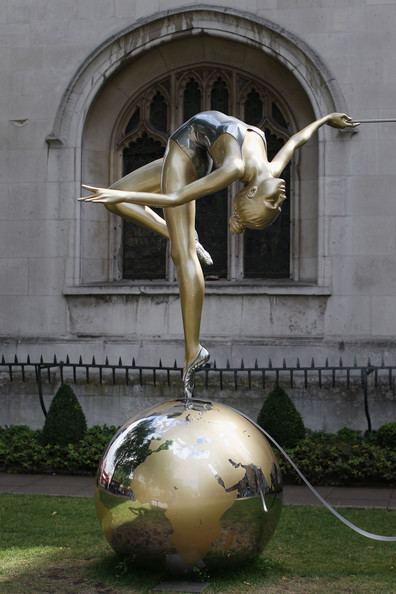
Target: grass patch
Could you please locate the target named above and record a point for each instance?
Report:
(54, 545)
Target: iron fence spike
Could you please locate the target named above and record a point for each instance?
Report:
(175, 364)
(80, 361)
(120, 362)
(313, 363)
(15, 359)
(327, 362)
(133, 362)
(256, 364)
(228, 364)
(28, 360)
(284, 363)
(41, 359)
(67, 360)
(269, 363)
(93, 360)
(298, 363)
(355, 361)
(242, 364)
(3, 360)
(368, 362)
(341, 362)
(55, 359)
(382, 360)
(106, 361)
(160, 363)
(214, 364)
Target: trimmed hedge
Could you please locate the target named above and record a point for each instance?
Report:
(281, 419)
(346, 458)
(65, 422)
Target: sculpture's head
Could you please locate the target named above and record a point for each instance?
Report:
(258, 205)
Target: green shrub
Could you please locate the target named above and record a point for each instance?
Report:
(325, 458)
(337, 462)
(386, 435)
(280, 418)
(65, 422)
(349, 435)
(22, 450)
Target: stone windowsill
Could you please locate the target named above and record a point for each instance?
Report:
(212, 288)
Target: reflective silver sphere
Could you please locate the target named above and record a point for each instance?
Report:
(188, 486)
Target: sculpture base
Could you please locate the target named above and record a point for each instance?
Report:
(189, 487)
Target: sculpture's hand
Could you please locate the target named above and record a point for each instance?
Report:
(103, 195)
(341, 120)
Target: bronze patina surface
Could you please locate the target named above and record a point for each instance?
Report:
(206, 154)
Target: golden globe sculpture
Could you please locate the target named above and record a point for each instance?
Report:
(189, 485)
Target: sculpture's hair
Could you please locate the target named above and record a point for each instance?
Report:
(236, 225)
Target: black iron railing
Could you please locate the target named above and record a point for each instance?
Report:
(255, 377)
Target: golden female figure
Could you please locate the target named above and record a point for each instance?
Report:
(206, 154)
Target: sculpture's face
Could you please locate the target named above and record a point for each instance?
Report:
(272, 190)
(258, 205)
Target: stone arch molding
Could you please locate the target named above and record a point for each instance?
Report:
(308, 68)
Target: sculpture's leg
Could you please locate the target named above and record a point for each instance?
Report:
(144, 179)
(148, 179)
(177, 172)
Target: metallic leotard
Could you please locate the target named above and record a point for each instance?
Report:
(197, 136)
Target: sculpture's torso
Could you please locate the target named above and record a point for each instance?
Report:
(197, 137)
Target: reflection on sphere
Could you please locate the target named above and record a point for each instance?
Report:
(188, 486)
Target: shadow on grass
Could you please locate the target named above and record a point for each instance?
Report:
(111, 574)
(54, 545)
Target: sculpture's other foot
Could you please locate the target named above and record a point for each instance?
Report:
(203, 256)
(188, 377)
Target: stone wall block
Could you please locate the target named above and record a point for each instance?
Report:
(13, 276)
(46, 276)
(373, 235)
(37, 316)
(348, 316)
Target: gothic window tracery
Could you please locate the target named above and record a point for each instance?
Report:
(142, 137)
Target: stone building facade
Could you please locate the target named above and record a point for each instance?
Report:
(75, 74)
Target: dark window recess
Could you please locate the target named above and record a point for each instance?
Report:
(267, 253)
(158, 113)
(144, 252)
(211, 224)
(133, 122)
(278, 116)
(219, 96)
(191, 99)
(253, 108)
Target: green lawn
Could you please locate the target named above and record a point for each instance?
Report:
(54, 545)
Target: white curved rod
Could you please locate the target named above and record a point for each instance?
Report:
(317, 495)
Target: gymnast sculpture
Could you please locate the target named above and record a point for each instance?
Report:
(206, 154)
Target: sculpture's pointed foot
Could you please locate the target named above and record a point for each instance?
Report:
(188, 377)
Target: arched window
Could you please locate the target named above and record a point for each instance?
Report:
(142, 135)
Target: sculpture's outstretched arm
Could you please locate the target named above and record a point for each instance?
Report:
(282, 158)
(232, 169)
